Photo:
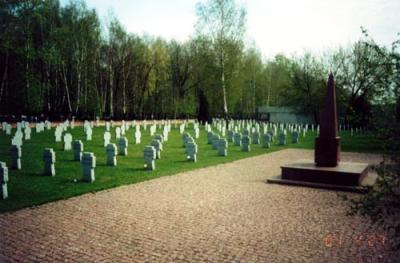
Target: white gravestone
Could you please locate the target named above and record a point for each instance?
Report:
(27, 133)
(89, 134)
(138, 136)
(58, 134)
(67, 142)
(107, 138)
(117, 133)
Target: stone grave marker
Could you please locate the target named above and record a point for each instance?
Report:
(159, 137)
(8, 129)
(27, 132)
(295, 137)
(246, 141)
(16, 153)
(158, 147)
(88, 164)
(149, 155)
(67, 142)
(267, 140)
(222, 147)
(210, 136)
(123, 146)
(117, 133)
(89, 133)
(256, 137)
(237, 139)
(138, 136)
(78, 150)
(58, 134)
(111, 151)
(191, 151)
(3, 180)
(49, 158)
(230, 136)
(282, 138)
(106, 138)
(215, 140)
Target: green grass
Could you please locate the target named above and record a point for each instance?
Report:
(29, 187)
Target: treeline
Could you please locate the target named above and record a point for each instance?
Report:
(57, 60)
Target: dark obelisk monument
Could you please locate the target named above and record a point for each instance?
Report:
(326, 171)
(327, 145)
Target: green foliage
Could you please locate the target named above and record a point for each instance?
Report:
(57, 60)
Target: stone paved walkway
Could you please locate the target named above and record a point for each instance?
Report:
(225, 213)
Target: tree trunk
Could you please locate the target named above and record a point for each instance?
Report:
(66, 88)
(4, 78)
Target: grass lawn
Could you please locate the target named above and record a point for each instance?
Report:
(29, 187)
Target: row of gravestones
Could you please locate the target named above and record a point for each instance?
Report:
(87, 159)
(245, 140)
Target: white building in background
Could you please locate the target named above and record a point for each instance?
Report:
(283, 114)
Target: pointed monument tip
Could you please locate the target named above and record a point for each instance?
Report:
(331, 79)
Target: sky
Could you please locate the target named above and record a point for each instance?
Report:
(274, 26)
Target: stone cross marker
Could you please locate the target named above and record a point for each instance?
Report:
(256, 137)
(89, 133)
(196, 132)
(58, 134)
(237, 139)
(295, 137)
(49, 158)
(88, 164)
(149, 155)
(246, 141)
(210, 135)
(3, 180)
(282, 138)
(158, 147)
(78, 149)
(191, 151)
(230, 136)
(222, 147)
(138, 136)
(215, 140)
(267, 140)
(16, 154)
(28, 133)
(107, 138)
(159, 137)
(117, 133)
(67, 142)
(111, 151)
(123, 146)
(8, 129)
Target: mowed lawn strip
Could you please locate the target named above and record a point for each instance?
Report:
(29, 187)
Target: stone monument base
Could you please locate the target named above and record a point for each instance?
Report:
(345, 176)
